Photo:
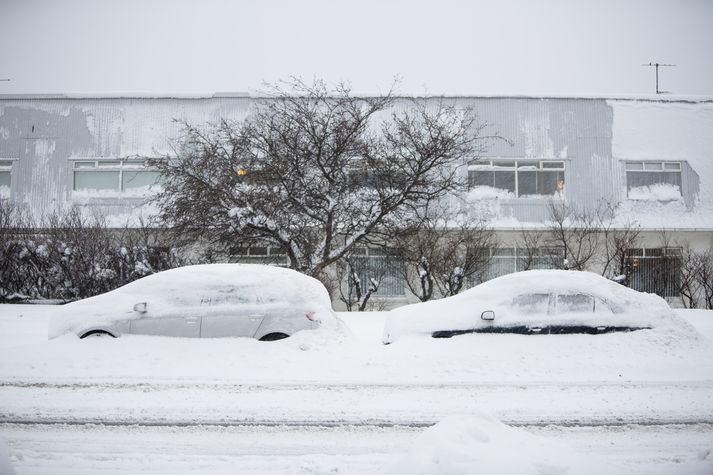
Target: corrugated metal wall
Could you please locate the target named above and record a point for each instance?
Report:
(44, 134)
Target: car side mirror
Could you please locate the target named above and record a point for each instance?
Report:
(488, 315)
(140, 307)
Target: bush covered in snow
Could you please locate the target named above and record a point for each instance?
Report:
(70, 256)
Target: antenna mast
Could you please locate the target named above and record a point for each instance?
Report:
(657, 75)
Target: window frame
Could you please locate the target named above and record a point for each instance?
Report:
(7, 165)
(653, 166)
(653, 258)
(371, 255)
(515, 165)
(109, 164)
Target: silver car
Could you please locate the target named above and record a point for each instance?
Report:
(208, 301)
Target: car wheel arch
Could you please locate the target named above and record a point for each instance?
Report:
(98, 332)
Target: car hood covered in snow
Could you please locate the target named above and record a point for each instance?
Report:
(463, 311)
(181, 291)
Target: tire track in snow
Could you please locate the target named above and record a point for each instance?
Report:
(705, 423)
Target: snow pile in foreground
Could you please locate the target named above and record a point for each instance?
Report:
(332, 333)
(656, 192)
(5, 465)
(478, 444)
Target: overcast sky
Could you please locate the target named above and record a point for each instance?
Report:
(437, 47)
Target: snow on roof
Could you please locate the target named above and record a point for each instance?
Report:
(258, 95)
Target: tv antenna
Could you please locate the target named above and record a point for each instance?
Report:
(656, 65)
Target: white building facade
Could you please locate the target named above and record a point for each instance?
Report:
(650, 157)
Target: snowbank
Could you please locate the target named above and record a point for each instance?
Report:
(480, 444)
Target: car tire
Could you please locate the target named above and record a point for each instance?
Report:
(97, 334)
(274, 337)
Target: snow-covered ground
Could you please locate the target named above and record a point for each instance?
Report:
(632, 403)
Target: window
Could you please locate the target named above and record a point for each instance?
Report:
(380, 265)
(130, 177)
(655, 181)
(5, 178)
(506, 260)
(574, 303)
(517, 178)
(258, 254)
(655, 270)
(532, 303)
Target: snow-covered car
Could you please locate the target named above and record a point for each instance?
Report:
(534, 302)
(210, 300)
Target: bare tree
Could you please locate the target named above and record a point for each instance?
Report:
(575, 232)
(704, 277)
(617, 238)
(70, 256)
(315, 170)
(529, 244)
(443, 253)
(689, 289)
(362, 282)
(16, 270)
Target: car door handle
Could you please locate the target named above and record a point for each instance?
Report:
(191, 320)
(256, 317)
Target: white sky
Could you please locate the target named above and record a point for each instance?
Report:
(438, 47)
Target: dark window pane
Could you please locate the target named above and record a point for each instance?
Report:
(527, 182)
(504, 180)
(480, 178)
(547, 183)
(636, 179)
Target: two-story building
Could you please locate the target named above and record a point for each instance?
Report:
(652, 157)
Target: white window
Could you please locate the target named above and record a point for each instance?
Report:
(382, 266)
(5, 178)
(258, 254)
(655, 270)
(654, 181)
(506, 260)
(130, 177)
(517, 178)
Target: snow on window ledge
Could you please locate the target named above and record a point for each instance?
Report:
(489, 193)
(139, 192)
(656, 192)
(485, 192)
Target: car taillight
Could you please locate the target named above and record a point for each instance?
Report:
(310, 316)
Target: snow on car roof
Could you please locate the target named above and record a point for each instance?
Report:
(462, 311)
(170, 291)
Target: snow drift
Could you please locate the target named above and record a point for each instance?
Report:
(479, 444)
